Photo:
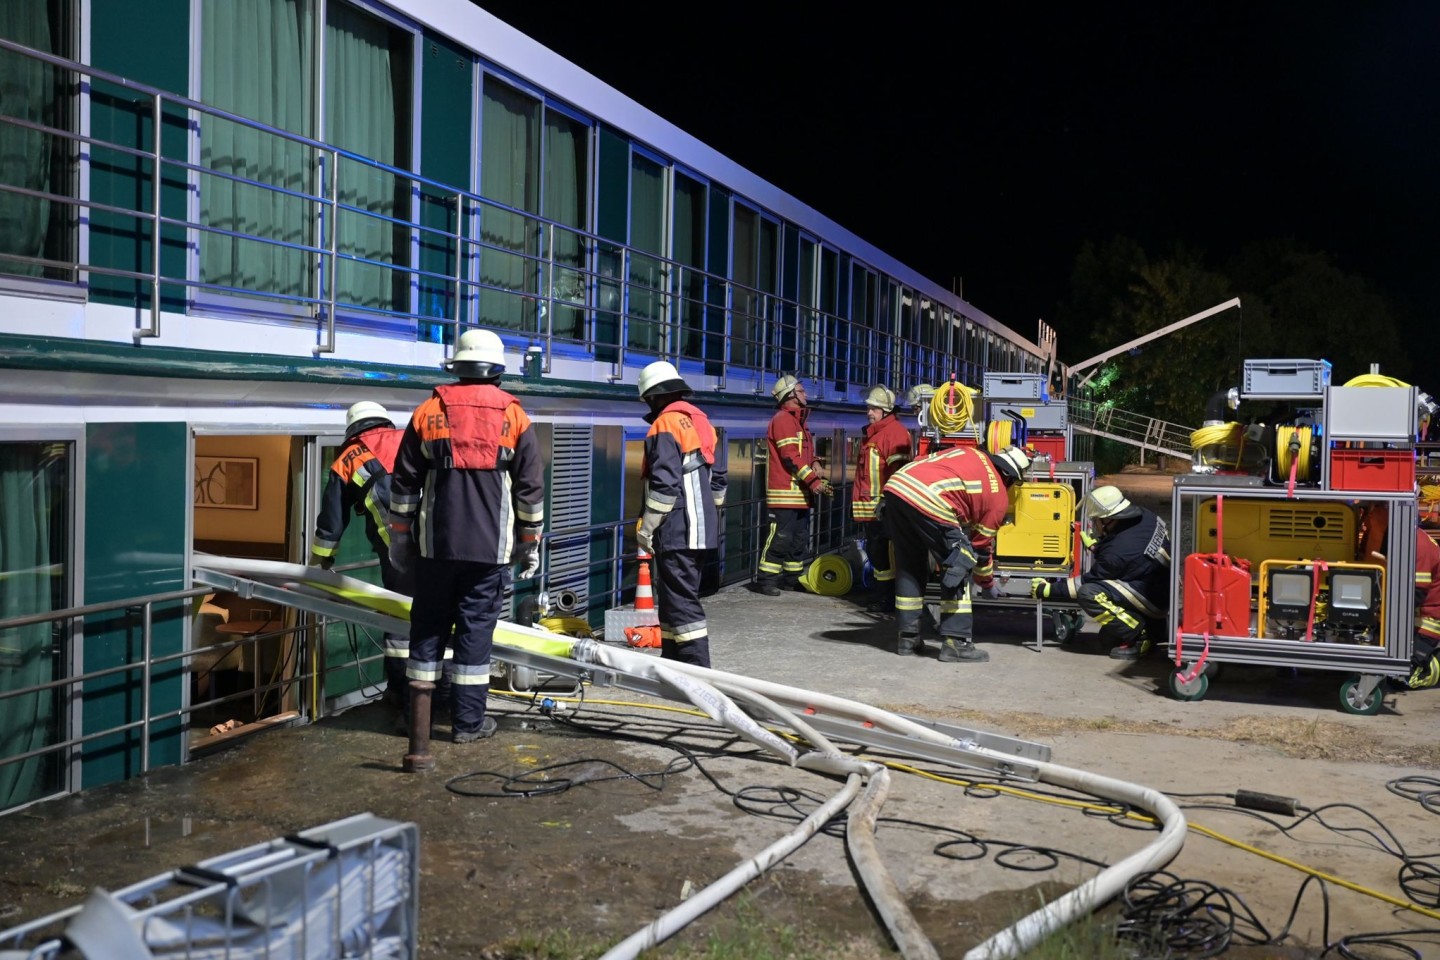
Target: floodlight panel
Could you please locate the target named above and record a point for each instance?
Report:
(1290, 589)
(1350, 591)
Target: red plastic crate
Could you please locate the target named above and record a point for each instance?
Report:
(1372, 470)
(1053, 446)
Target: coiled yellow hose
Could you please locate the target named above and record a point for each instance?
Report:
(1220, 445)
(952, 407)
(998, 434)
(1285, 436)
(567, 626)
(1374, 380)
(829, 575)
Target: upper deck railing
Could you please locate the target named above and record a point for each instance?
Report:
(337, 242)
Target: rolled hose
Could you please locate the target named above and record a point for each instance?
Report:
(829, 575)
(952, 408)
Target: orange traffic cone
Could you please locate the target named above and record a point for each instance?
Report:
(644, 596)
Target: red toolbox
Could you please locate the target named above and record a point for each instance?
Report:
(1052, 446)
(1216, 598)
(1372, 470)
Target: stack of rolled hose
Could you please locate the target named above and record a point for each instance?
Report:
(952, 408)
(1220, 445)
(1374, 380)
(829, 575)
(567, 626)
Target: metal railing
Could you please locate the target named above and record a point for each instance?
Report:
(562, 289)
(1146, 432)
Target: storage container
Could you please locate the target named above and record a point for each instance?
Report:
(1372, 470)
(1286, 378)
(1015, 386)
(1217, 595)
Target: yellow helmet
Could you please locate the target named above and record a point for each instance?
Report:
(1106, 501)
(882, 397)
(784, 386)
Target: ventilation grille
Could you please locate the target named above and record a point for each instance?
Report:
(1306, 523)
(569, 510)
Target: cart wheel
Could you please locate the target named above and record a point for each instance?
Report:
(1067, 625)
(1188, 690)
(1351, 702)
(1212, 669)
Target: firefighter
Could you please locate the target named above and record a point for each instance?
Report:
(884, 449)
(1128, 583)
(793, 482)
(950, 505)
(684, 490)
(359, 485)
(468, 499)
(1425, 658)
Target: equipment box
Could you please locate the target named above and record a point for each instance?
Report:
(1053, 447)
(1372, 413)
(1015, 386)
(1216, 595)
(1037, 416)
(1286, 378)
(1372, 470)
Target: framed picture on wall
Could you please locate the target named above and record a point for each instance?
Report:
(227, 483)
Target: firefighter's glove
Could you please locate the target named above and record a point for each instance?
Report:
(1087, 538)
(403, 551)
(880, 513)
(324, 563)
(825, 488)
(527, 558)
(645, 532)
(992, 591)
(1040, 588)
(958, 566)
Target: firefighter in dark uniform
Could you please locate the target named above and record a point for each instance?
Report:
(684, 489)
(467, 500)
(1128, 583)
(1425, 657)
(793, 481)
(949, 505)
(359, 485)
(884, 449)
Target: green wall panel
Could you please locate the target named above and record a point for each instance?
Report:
(153, 49)
(607, 474)
(137, 494)
(447, 92)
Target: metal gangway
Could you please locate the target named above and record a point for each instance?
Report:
(1152, 434)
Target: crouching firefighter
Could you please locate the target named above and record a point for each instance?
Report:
(684, 490)
(950, 505)
(1128, 583)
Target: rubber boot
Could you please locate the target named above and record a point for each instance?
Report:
(908, 644)
(961, 650)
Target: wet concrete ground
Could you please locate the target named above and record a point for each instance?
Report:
(660, 797)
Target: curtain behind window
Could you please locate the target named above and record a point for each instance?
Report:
(566, 177)
(509, 174)
(33, 479)
(366, 96)
(27, 91)
(257, 61)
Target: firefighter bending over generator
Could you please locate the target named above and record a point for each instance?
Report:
(1128, 582)
(950, 504)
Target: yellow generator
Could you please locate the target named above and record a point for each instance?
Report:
(1039, 530)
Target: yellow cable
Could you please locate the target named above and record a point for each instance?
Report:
(998, 434)
(1374, 380)
(1284, 437)
(952, 407)
(1220, 436)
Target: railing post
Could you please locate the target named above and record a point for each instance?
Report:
(549, 333)
(459, 271)
(156, 180)
(333, 245)
(146, 649)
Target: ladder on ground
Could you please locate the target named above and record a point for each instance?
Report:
(1148, 433)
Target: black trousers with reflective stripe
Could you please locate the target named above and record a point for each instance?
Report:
(787, 542)
(914, 536)
(677, 603)
(458, 602)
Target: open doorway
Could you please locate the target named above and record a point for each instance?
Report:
(249, 501)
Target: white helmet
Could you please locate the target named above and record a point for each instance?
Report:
(363, 415)
(1012, 462)
(480, 352)
(784, 386)
(882, 397)
(1105, 502)
(661, 377)
(919, 394)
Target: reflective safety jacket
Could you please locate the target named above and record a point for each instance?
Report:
(885, 449)
(1427, 586)
(792, 477)
(1136, 553)
(359, 483)
(958, 488)
(683, 483)
(469, 475)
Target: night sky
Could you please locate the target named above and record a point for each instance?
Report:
(987, 144)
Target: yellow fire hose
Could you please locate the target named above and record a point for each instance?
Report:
(829, 576)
